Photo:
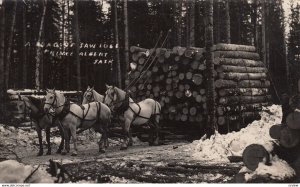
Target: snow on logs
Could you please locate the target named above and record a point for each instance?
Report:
(177, 79)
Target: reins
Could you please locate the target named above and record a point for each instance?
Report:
(134, 81)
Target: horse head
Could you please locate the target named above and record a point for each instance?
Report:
(88, 95)
(23, 108)
(53, 100)
(110, 96)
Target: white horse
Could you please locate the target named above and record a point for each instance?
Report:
(73, 116)
(140, 113)
(33, 107)
(90, 95)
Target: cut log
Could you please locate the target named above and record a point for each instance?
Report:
(254, 84)
(193, 111)
(179, 50)
(221, 120)
(197, 79)
(236, 108)
(237, 54)
(244, 99)
(238, 62)
(221, 83)
(195, 64)
(254, 154)
(189, 75)
(142, 60)
(233, 47)
(275, 131)
(243, 91)
(242, 76)
(199, 117)
(240, 69)
(293, 120)
(225, 84)
(134, 49)
(289, 137)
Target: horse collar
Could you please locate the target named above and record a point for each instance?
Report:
(65, 110)
(124, 105)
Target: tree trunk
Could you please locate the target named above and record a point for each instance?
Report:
(39, 48)
(118, 66)
(9, 44)
(24, 61)
(267, 23)
(179, 26)
(263, 22)
(192, 24)
(211, 125)
(68, 83)
(77, 42)
(218, 22)
(2, 77)
(254, 22)
(126, 50)
(227, 22)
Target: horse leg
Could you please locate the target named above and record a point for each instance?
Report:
(126, 134)
(66, 148)
(61, 145)
(74, 138)
(39, 132)
(102, 140)
(48, 140)
(130, 143)
(156, 130)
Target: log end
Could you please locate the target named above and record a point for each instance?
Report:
(254, 154)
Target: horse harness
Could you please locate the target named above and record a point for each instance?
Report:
(66, 110)
(125, 105)
(33, 116)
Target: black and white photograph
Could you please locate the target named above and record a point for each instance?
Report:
(149, 91)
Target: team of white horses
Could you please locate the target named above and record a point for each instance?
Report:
(95, 112)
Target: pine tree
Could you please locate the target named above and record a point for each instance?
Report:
(211, 121)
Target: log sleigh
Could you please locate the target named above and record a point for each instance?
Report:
(177, 80)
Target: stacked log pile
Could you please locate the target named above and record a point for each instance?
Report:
(241, 82)
(177, 79)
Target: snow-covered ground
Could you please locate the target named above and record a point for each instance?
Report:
(214, 150)
(219, 147)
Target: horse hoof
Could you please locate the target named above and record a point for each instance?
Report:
(48, 153)
(123, 148)
(40, 154)
(58, 151)
(101, 151)
(74, 154)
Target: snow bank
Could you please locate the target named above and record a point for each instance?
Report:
(219, 147)
(12, 171)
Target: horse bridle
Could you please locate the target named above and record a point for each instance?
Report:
(27, 110)
(92, 96)
(52, 104)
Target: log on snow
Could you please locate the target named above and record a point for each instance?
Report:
(254, 154)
